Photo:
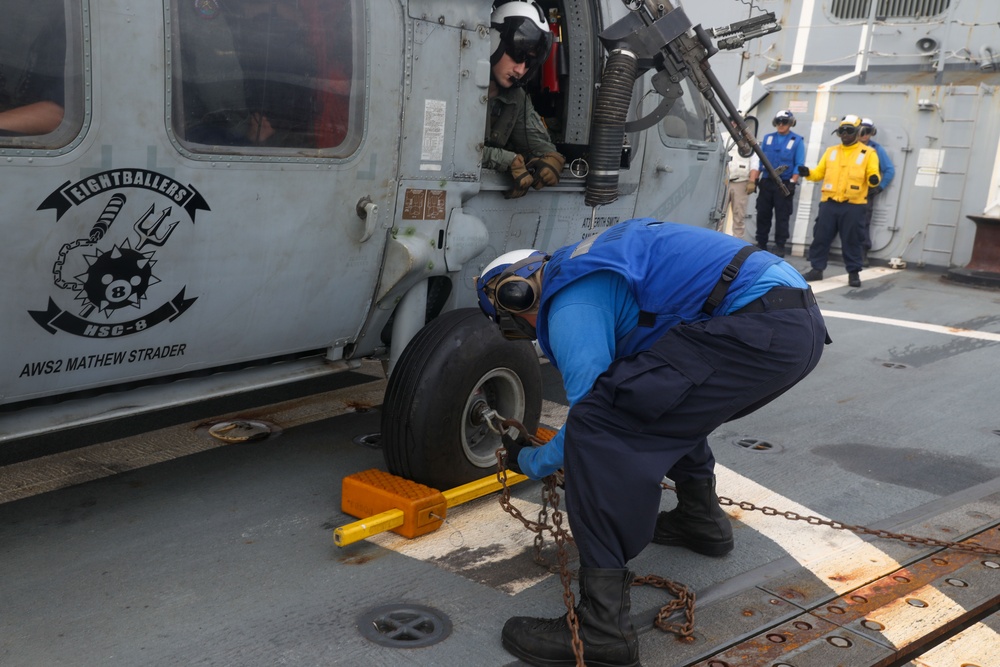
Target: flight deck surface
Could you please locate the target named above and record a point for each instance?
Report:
(173, 547)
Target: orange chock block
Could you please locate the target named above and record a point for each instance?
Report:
(369, 492)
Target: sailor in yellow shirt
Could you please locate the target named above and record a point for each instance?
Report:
(847, 171)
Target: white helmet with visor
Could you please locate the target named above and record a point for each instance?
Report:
(519, 29)
(509, 287)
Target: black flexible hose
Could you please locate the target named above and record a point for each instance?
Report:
(607, 130)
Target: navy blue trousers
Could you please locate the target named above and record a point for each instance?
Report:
(835, 218)
(866, 227)
(771, 200)
(650, 414)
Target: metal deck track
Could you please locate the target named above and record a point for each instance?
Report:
(879, 624)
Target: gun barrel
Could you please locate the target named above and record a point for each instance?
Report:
(739, 133)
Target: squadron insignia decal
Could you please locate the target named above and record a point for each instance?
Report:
(112, 274)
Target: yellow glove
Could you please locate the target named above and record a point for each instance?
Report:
(522, 178)
(751, 187)
(546, 169)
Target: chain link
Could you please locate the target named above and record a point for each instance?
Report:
(61, 261)
(684, 601)
(839, 525)
(559, 534)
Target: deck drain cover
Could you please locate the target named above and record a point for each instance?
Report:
(240, 430)
(404, 626)
(755, 444)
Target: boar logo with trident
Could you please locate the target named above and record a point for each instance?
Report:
(111, 280)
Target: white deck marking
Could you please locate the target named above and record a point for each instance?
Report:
(904, 622)
(976, 645)
(824, 551)
(837, 282)
(933, 328)
(554, 414)
(475, 535)
(484, 527)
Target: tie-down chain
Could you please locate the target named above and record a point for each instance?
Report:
(684, 597)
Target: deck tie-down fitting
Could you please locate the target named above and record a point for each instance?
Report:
(383, 501)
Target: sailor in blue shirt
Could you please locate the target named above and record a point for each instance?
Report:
(662, 332)
(887, 172)
(786, 151)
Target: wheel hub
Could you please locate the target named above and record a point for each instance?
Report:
(498, 391)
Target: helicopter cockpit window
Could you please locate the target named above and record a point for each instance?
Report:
(268, 77)
(687, 124)
(41, 74)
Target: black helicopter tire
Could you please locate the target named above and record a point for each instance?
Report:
(432, 432)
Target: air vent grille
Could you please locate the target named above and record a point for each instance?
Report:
(888, 9)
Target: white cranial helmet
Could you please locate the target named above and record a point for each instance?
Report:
(506, 289)
(519, 29)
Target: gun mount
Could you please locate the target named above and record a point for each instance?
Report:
(658, 36)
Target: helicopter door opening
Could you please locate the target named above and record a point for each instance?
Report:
(563, 90)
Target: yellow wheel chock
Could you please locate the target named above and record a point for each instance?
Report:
(383, 501)
(404, 507)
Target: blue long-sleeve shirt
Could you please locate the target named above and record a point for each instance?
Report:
(884, 164)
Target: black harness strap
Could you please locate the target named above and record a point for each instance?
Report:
(647, 319)
(728, 276)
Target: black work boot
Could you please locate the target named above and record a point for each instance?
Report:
(698, 522)
(853, 279)
(609, 640)
(813, 274)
